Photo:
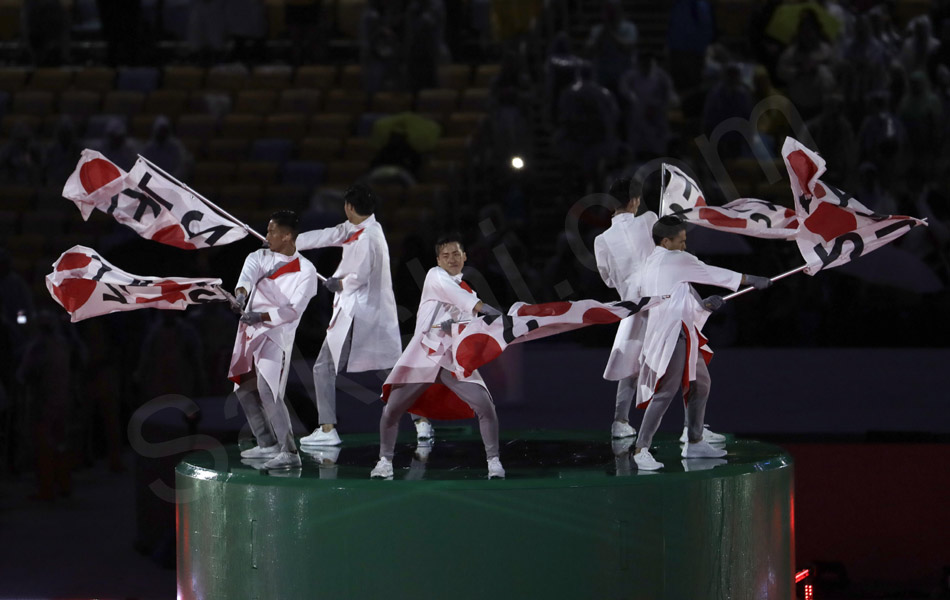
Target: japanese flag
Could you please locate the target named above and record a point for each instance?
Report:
(836, 228)
(681, 196)
(87, 285)
(143, 199)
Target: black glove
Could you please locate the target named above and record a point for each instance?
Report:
(252, 318)
(334, 284)
(713, 303)
(446, 326)
(759, 283)
(489, 310)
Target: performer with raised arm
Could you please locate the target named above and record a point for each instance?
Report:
(364, 330)
(418, 380)
(671, 355)
(619, 252)
(276, 285)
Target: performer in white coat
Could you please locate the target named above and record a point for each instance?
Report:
(619, 252)
(364, 330)
(418, 382)
(276, 284)
(672, 355)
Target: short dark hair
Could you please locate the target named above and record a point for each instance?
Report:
(667, 227)
(361, 198)
(287, 219)
(626, 189)
(448, 238)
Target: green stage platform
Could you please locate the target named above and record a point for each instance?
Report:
(573, 520)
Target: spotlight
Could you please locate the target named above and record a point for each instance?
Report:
(517, 162)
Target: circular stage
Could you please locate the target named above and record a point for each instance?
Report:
(574, 519)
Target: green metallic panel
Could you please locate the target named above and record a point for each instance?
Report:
(548, 531)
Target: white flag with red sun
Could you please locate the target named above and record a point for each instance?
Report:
(86, 285)
(836, 228)
(680, 195)
(143, 199)
(485, 338)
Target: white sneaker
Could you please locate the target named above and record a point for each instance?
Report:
(424, 430)
(423, 451)
(708, 436)
(646, 462)
(321, 438)
(622, 430)
(258, 452)
(495, 469)
(284, 460)
(383, 469)
(702, 449)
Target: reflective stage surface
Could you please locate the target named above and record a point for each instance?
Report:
(573, 519)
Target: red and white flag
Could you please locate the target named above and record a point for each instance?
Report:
(87, 285)
(145, 200)
(836, 228)
(681, 196)
(485, 338)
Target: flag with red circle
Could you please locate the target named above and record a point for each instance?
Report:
(681, 196)
(835, 227)
(87, 285)
(483, 339)
(152, 205)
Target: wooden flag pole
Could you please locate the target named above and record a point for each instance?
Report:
(774, 279)
(211, 204)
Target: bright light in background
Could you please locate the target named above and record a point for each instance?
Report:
(517, 162)
(801, 575)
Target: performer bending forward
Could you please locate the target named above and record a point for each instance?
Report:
(277, 284)
(364, 330)
(418, 382)
(671, 347)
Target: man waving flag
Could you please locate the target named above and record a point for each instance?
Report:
(835, 227)
(681, 196)
(144, 199)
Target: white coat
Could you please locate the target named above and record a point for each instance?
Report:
(366, 303)
(444, 297)
(280, 286)
(671, 272)
(620, 251)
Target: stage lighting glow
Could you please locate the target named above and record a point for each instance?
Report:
(517, 162)
(801, 575)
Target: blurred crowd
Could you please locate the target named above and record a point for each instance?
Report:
(871, 94)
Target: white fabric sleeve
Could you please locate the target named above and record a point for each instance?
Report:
(251, 271)
(696, 271)
(446, 290)
(602, 257)
(321, 238)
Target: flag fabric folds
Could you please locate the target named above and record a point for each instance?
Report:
(87, 285)
(835, 227)
(485, 338)
(681, 196)
(143, 199)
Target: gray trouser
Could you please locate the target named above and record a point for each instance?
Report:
(668, 386)
(267, 415)
(324, 379)
(401, 399)
(626, 391)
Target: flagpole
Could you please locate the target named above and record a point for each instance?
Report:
(773, 279)
(220, 210)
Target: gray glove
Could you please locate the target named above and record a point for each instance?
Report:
(490, 310)
(446, 326)
(334, 284)
(237, 306)
(252, 318)
(241, 298)
(759, 283)
(713, 303)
